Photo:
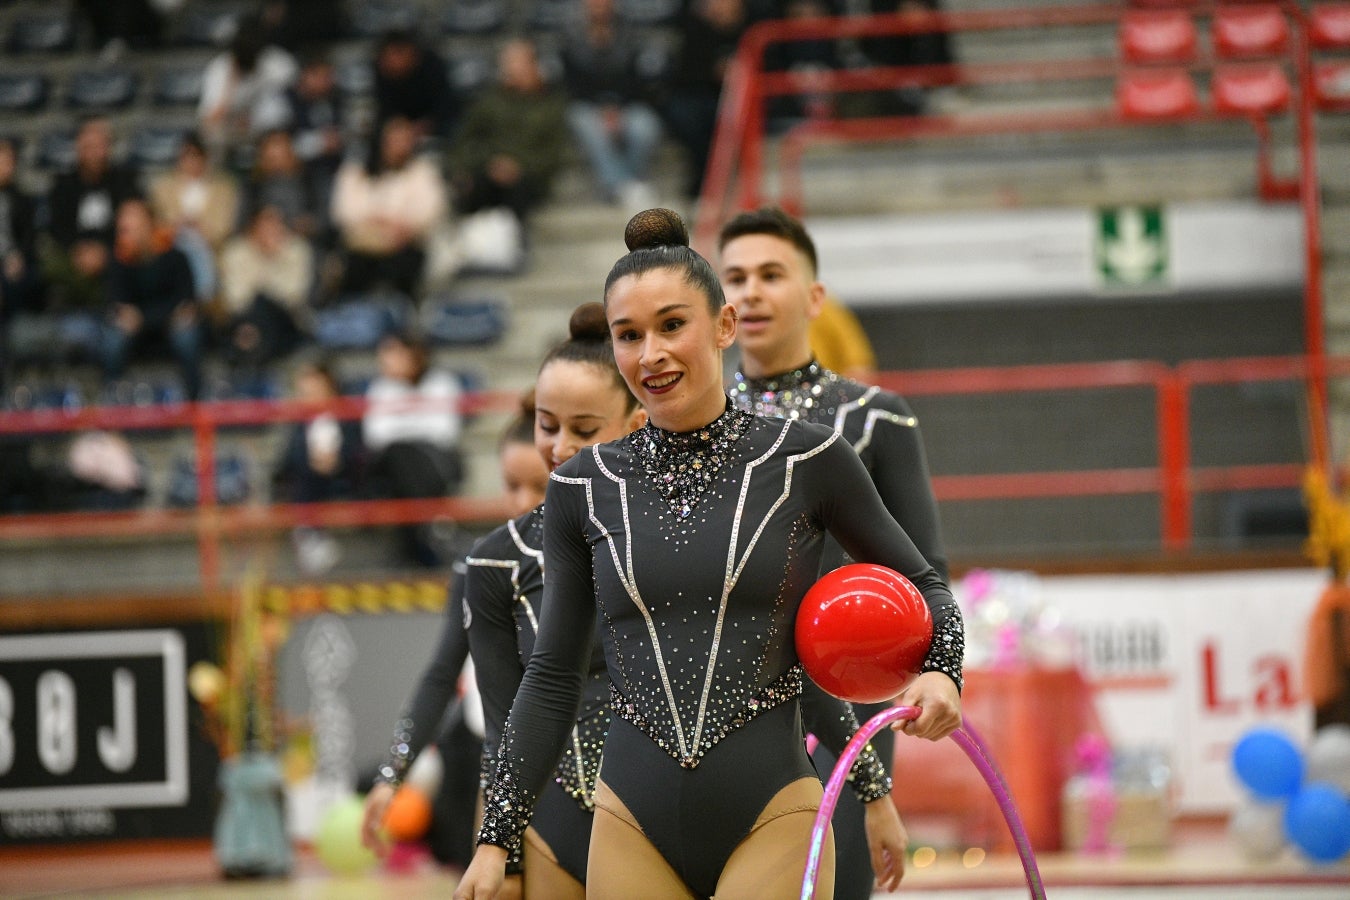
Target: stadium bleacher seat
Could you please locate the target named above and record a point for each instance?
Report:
(1155, 93)
(550, 15)
(156, 146)
(23, 92)
(1247, 30)
(470, 71)
(649, 12)
(1329, 25)
(1157, 36)
(56, 149)
(102, 89)
(1250, 88)
(42, 32)
(358, 322)
(463, 321)
(209, 24)
(355, 76)
(178, 86)
(372, 18)
(1331, 85)
(474, 16)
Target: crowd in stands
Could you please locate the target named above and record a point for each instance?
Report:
(279, 209)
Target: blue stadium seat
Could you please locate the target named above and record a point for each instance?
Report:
(648, 12)
(355, 76)
(372, 18)
(232, 479)
(551, 15)
(471, 71)
(102, 89)
(56, 149)
(474, 16)
(178, 86)
(42, 32)
(156, 146)
(209, 25)
(23, 92)
(464, 321)
(358, 322)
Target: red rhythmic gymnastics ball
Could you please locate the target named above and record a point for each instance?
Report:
(862, 631)
(409, 814)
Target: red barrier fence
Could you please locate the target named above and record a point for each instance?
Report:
(1173, 477)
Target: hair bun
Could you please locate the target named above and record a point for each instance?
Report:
(656, 228)
(588, 323)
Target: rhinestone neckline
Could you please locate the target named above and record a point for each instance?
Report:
(684, 464)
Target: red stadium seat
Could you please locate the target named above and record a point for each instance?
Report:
(1156, 93)
(1246, 30)
(1157, 36)
(1329, 24)
(1250, 88)
(1331, 85)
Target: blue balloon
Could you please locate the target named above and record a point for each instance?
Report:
(1268, 763)
(1317, 821)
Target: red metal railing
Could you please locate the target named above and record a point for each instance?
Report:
(736, 164)
(1173, 476)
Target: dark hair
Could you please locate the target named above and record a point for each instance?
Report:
(415, 345)
(326, 368)
(772, 221)
(520, 430)
(248, 43)
(192, 140)
(589, 343)
(657, 239)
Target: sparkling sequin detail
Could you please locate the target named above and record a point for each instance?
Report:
(683, 465)
(777, 692)
(948, 651)
(396, 765)
(507, 805)
(580, 766)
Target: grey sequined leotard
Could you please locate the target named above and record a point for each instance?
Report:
(504, 590)
(696, 549)
(883, 430)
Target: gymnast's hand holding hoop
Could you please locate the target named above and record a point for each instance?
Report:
(939, 704)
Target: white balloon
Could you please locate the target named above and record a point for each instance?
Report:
(1328, 757)
(1258, 830)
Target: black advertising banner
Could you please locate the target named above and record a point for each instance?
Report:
(98, 737)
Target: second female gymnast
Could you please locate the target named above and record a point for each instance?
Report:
(688, 546)
(580, 399)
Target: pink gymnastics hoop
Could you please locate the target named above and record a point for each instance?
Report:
(968, 739)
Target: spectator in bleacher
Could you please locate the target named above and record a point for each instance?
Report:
(150, 298)
(266, 282)
(608, 109)
(411, 82)
(244, 89)
(121, 25)
(196, 195)
(508, 149)
(924, 49)
(318, 122)
(709, 33)
(199, 202)
(82, 207)
(385, 210)
(411, 430)
(278, 180)
(321, 462)
(20, 279)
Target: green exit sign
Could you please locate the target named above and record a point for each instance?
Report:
(1132, 246)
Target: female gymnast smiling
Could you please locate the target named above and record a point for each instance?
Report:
(688, 545)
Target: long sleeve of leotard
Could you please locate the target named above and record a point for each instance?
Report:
(549, 696)
(852, 511)
(493, 642)
(900, 473)
(438, 686)
(834, 723)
